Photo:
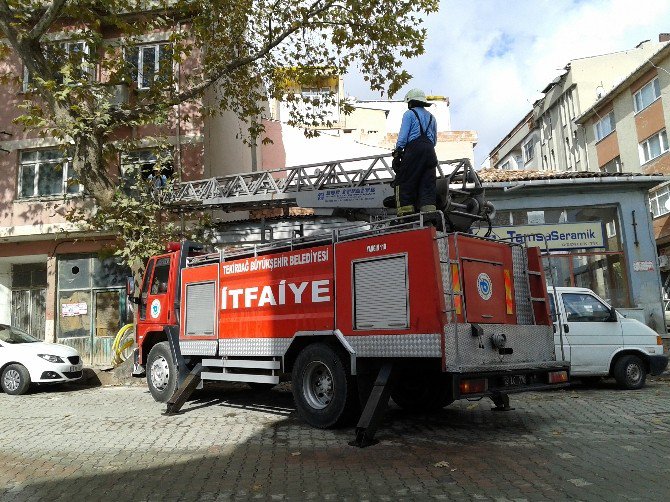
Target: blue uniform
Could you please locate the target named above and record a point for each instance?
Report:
(410, 130)
(415, 181)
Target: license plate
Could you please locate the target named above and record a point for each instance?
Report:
(514, 380)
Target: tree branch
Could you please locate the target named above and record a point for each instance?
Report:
(46, 20)
(6, 18)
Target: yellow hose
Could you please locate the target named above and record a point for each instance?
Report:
(122, 343)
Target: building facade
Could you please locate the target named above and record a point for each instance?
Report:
(592, 228)
(626, 131)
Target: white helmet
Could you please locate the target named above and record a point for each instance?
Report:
(417, 95)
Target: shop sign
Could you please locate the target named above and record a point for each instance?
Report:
(643, 266)
(74, 309)
(557, 236)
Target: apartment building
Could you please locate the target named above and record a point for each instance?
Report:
(53, 282)
(626, 132)
(549, 139)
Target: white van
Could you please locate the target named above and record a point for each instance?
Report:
(599, 342)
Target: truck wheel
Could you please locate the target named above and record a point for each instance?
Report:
(15, 380)
(161, 372)
(421, 392)
(630, 372)
(323, 390)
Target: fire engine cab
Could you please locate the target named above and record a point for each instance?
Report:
(398, 307)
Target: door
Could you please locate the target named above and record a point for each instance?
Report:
(108, 318)
(155, 291)
(592, 337)
(562, 352)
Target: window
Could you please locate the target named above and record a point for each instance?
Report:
(147, 165)
(659, 201)
(653, 147)
(159, 284)
(647, 95)
(315, 92)
(76, 53)
(585, 308)
(605, 126)
(506, 166)
(528, 150)
(613, 166)
(149, 63)
(44, 173)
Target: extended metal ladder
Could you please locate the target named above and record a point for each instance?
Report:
(304, 186)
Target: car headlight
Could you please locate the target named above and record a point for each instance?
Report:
(50, 358)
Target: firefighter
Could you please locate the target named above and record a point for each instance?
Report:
(415, 181)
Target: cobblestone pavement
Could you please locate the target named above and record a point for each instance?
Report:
(112, 443)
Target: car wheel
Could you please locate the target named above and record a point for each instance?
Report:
(161, 372)
(15, 380)
(630, 372)
(324, 392)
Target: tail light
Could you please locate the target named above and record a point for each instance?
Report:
(456, 287)
(509, 305)
(473, 386)
(558, 376)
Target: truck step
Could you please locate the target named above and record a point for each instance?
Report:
(241, 363)
(239, 377)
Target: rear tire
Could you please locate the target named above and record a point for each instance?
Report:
(324, 391)
(161, 372)
(630, 372)
(15, 380)
(422, 391)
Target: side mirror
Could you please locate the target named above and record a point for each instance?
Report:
(613, 317)
(130, 286)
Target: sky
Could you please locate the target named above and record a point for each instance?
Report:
(492, 58)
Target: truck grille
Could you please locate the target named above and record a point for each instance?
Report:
(73, 359)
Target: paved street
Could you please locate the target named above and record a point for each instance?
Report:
(111, 443)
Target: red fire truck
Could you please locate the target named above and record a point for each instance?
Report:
(350, 317)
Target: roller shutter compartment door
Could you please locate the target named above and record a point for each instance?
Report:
(380, 294)
(200, 309)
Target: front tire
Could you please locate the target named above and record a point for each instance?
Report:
(161, 372)
(323, 390)
(15, 380)
(630, 372)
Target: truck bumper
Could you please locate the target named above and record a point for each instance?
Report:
(511, 381)
(657, 364)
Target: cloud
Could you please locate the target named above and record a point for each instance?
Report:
(492, 58)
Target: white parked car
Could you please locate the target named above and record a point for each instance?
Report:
(599, 342)
(25, 360)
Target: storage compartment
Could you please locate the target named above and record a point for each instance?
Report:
(381, 293)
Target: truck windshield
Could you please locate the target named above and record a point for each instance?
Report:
(9, 334)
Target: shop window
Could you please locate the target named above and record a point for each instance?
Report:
(149, 63)
(647, 95)
(659, 201)
(44, 173)
(653, 147)
(605, 126)
(28, 302)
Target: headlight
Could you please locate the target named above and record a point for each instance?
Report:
(50, 358)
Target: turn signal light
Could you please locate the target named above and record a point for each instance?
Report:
(558, 377)
(659, 340)
(473, 386)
